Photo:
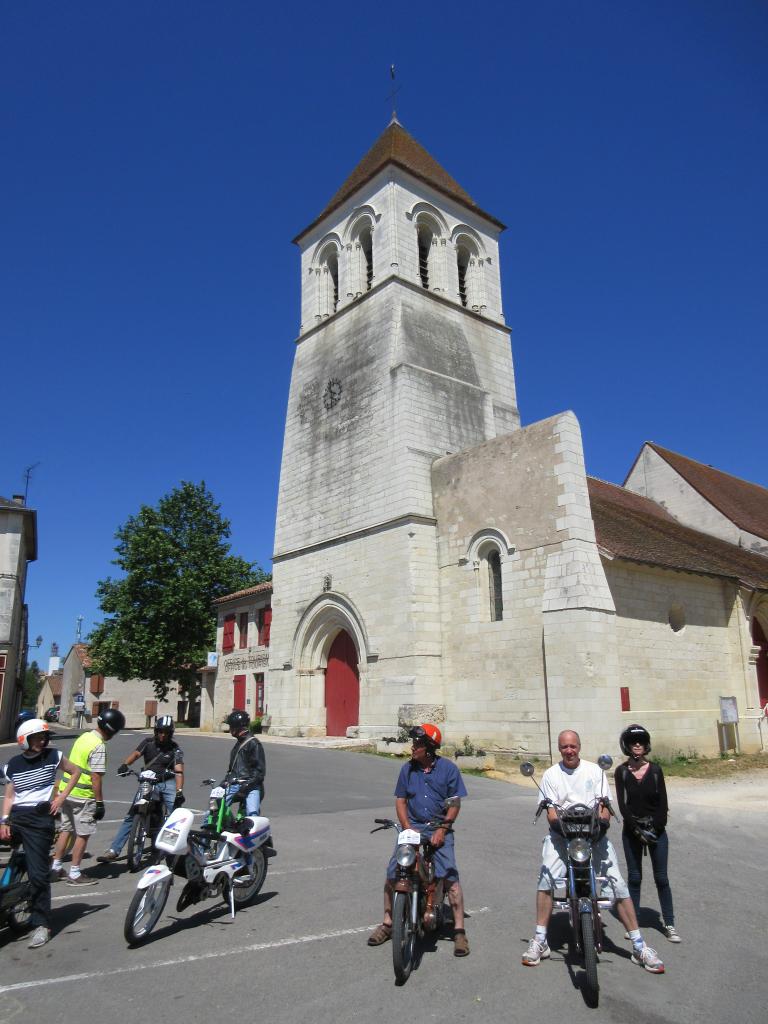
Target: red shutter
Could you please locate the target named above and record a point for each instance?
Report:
(266, 627)
(96, 684)
(625, 705)
(228, 642)
(243, 630)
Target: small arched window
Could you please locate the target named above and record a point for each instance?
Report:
(329, 281)
(494, 586)
(425, 235)
(463, 257)
(366, 247)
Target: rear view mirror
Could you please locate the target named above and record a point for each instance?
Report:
(605, 761)
(527, 769)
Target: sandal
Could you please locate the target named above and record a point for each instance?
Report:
(460, 944)
(380, 934)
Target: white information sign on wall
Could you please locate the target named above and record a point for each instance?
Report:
(729, 711)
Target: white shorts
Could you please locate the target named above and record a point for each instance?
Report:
(554, 857)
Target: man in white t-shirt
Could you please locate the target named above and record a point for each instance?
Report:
(569, 782)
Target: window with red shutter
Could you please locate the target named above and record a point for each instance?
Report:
(228, 641)
(243, 630)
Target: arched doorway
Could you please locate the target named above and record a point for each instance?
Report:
(342, 686)
(759, 640)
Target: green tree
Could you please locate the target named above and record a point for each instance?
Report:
(32, 684)
(175, 562)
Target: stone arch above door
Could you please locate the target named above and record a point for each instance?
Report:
(320, 624)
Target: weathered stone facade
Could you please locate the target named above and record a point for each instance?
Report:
(476, 569)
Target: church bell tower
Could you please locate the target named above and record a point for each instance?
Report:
(403, 356)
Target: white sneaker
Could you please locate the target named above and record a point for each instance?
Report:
(671, 932)
(627, 935)
(536, 952)
(40, 936)
(649, 959)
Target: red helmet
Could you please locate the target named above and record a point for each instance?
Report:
(427, 731)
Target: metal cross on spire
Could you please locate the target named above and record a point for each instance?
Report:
(394, 90)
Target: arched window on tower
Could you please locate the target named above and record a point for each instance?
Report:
(467, 262)
(366, 248)
(462, 261)
(329, 281)
(494, 586)
(425, 235)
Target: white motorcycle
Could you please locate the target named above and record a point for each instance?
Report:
(227, 864)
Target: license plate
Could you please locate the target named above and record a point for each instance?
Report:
(409, 838)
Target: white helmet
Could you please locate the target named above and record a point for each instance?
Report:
(27, 729)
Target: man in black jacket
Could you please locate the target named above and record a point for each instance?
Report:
(247, 763)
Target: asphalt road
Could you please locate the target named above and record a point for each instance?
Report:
(299, 951)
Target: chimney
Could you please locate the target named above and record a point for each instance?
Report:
(18, 499)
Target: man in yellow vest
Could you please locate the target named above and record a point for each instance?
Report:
(85, 804)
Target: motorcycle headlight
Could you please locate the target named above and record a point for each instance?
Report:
(579, 850)
(406, 855)
(146, 788)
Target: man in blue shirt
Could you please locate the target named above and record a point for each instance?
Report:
(423, 786)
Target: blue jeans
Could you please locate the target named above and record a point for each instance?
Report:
(659, 854)
(252, 799)
(168, 789)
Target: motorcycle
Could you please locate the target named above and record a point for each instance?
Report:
(580, 891)
(148, 810)
(418, 898)
(15, 893)
(229, 862)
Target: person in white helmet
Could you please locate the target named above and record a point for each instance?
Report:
(29, 808)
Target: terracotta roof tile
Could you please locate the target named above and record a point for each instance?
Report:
(260, 588)
(81, 650)
(744, 503)
(396, 146)
(635, 528)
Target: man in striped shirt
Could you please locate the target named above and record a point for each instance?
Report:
(29, 808)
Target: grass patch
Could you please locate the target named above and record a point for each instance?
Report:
(691, 766)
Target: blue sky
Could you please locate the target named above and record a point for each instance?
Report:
(158, 158)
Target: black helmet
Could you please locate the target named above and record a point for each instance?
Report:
(239, 720)
(164, 722)
(634, 734)
(111, 721)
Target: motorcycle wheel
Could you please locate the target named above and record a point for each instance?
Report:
(403, 937)
(19, 917)
(590, 953)
(144, 911)
(245, 893)
(137, 841)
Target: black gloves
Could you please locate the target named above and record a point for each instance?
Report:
(123, 769)
(100, 811)
(179, 799)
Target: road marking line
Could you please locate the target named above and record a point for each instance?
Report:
(196, 957)
(91, 892)
(323, 867)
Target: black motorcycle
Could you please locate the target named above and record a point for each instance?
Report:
(581, 888)
(149, 813)
(15, 911)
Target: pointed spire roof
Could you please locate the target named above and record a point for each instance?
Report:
(396, 146)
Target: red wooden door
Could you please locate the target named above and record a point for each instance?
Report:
(238, 695)
(342, 686)
(759, 640)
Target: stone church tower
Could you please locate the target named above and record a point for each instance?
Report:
(403, 358)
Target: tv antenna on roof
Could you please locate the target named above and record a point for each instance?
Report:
(27, 474)
(80, 628)
(394, 90)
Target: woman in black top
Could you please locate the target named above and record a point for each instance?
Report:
(642, 798)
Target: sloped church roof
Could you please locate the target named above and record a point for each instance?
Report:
(632, 527)
(398, 147)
